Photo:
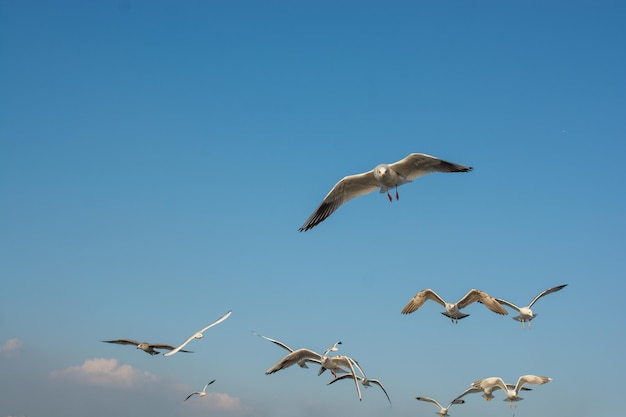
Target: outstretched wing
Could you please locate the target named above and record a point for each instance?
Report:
(484, 298)
(293, 358)
(430, 400)
(420, 298)
(122, 342)
(191, 395)
(546, 292)
(221, 319)
(345, 190)
(417, 164)
(276, 342)
(167, 347)
(507, 303)
(531, 379)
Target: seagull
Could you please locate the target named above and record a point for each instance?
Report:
(453, 309)
(487, 391)
(200, 393)
(443, 411)
(364, 381)
(199, 335)
(511, 393)
(335, 364)
(304, 355)
(146, 347)
(525, 313)
(301, 363)
(385, 177)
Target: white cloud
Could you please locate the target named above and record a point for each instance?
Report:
(11, 345)
(222, 402)
(105, 373)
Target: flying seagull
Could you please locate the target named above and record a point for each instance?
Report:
(443, 411)
(198, 334)
(487, 391)
(511, 393)
(304, 355)
(364, 381)
(146, 347)
(200, 393)
(525, 313)
(383, 177)
(453, 310)
(335, 364)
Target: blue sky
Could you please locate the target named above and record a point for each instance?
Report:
(158, 157)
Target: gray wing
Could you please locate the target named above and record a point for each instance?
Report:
(345, 190)
(123, 342)
(276, 342)
(507, 303)
(191, 395)
(167, 347)
(293, 358)
(380, 384)
(420, 298)
(470, 390)
(417, 164)
(546, 292)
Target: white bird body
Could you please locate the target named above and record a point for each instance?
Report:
(199, 334)
(525, 313)
(200, 393)
(512, 393)
(453, 310)
(443, 411)
(383, 177)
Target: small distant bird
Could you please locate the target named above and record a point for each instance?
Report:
(385, 177)
(198, 334)
(511, 393)
(443, 411)
(364, 381)
(146, 347)
(525, 313)
(200, 393)
(453, 310)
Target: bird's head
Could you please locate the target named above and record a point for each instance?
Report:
(381, 171)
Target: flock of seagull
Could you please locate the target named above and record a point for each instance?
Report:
(384, 177)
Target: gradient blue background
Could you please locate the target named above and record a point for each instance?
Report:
(158, 157)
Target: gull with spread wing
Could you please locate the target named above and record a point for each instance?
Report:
(453, 310)
(335, 364)
(146, 347)
(384, 177)
(198, 334)
(200, 393)
(511, 393)
(525, 313)
(443, 411)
